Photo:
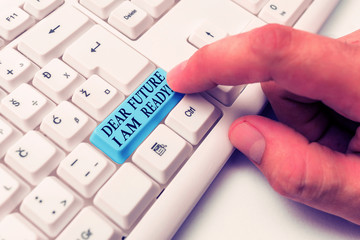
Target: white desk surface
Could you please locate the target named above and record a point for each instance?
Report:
(240, 204)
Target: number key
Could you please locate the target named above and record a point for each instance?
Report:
(67, 125)
(25, 107)
(51, 205)
(15, 69)
(283, 11)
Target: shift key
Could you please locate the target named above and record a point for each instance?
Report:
(133, 120)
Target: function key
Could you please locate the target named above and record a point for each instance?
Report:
(102, 8)
(155, 7)
(253, 6)
(14, 21)
(40, 8)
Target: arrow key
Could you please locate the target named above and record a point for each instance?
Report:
(206, 33)
(49, 38)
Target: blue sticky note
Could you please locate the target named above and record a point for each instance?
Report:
(135, 118)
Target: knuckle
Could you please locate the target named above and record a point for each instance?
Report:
(272, 90)
(270, 40)
(308, 181)
(290, 187)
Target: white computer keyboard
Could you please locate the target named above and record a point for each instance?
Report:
(82, 78)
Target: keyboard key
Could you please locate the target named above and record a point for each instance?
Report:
(11, 3)
(102, 8)
(89, 224)
(97, 97)
(283, 11)
(8, 136)
(255, 23)
(15, 69)
(12, 191)
(2, 94)
(101, 53)
(33, 157)
(315, 15)
(51, 205)
(226, 94)
(126, 195)
(67, 125)
(131, 122)
(25, 107)
(192, 118)
(161, 154)
(57, 80)
(254, 6)
(155, 7)
(14, 21)
(206, 33)
(15, 226)
(130, 20)
(49, 38)
(85, 169)
(39, 9)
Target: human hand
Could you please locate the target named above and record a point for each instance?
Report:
(313, 84)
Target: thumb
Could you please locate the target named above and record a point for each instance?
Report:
(305, 172)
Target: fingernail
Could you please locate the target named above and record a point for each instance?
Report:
(248, 140)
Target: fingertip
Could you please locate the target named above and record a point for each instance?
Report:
(175, 75)
(247, 139)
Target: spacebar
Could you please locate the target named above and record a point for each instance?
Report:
(133, 120)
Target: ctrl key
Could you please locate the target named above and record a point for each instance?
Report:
(192, 118)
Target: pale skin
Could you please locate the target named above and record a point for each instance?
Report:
(313, 84)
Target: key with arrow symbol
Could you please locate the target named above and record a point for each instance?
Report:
(206, 33)
(7, 188)
(209, 34)
(94, 49)
(54, 29)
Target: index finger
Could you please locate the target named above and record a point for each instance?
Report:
(305, 64)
